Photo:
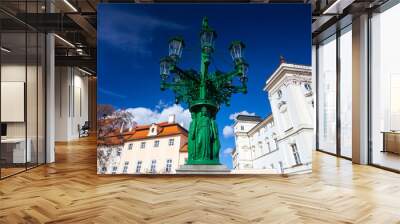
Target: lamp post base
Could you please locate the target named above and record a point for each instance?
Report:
(203, 169)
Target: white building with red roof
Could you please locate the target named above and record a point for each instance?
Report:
(159, 148)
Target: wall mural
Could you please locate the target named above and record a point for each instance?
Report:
(182, 88)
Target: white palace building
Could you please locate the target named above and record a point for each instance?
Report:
(282, 142)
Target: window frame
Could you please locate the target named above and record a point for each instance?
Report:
(139, 166)
(156, 144)
(168, 166)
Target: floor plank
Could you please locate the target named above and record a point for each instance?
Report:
(69, 191)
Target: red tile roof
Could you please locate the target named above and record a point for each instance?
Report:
(141, 132)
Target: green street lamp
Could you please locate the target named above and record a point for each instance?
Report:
(176, 46)
(207, 37)
(204, 92)
(236, 49)
(164, 67)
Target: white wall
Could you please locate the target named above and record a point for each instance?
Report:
(269, 144)
(161, 154)
(242, 159)
(33, 126)
(71, 102)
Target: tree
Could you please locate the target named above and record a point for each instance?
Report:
(119, 120)
(104, 110)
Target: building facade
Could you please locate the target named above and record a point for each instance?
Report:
(283, 142)
(242, 155)
(150, 149)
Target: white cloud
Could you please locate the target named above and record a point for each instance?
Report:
(145, 116)
(228, 151)
(233, 116)
(161, 105)
(227, 131)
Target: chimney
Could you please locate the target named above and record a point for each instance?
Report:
(282, 59)
(171, 119)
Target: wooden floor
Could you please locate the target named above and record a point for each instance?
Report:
(69, 191)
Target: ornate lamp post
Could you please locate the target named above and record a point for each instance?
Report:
(204, 92)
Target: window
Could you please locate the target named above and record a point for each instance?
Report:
(130, 146)
(168, 167)
(153, 166)
(126, 163)
(281, 166)
(119, 152)
(276, 143)
(296, 154)
(104, 169)
(156, 143)
(142, 145)
(269, 147)
(385, 88)
(345, 92)
(307, 86)
(114, 170)
(241, 127)
(279, 94)
(260, 146)
(125, 169)
(22, 57)
(171, 142)
(327, 95)
(138, 166)
(152, 130)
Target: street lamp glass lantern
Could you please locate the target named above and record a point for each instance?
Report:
(244, 71)
(236, 49)
(164, 68)
(207, 38)
(176, 46)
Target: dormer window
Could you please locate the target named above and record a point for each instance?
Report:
(153, 130)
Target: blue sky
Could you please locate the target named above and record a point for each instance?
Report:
(133, 37)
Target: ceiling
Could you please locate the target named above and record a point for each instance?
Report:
(74, 22)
